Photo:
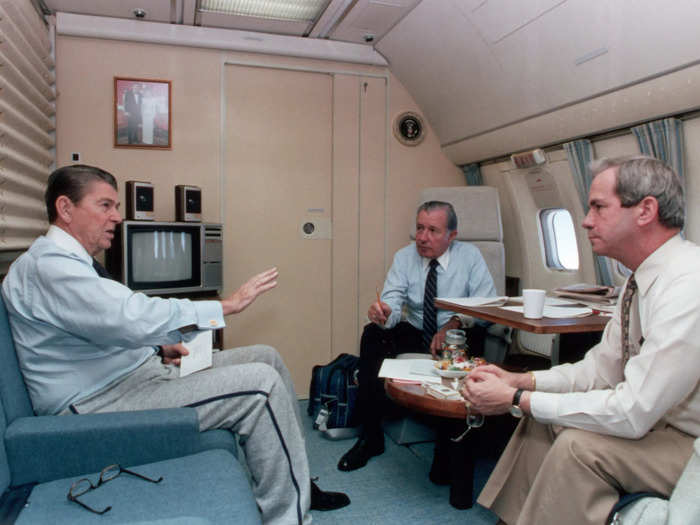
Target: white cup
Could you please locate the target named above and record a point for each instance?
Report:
(533, 303)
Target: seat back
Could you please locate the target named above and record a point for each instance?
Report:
(478, 212)
(4, 465)
(13, 392)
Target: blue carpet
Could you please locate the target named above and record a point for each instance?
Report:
(392, 488)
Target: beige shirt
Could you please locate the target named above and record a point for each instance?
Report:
(661, 379)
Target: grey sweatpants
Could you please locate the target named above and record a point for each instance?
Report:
(247, 390)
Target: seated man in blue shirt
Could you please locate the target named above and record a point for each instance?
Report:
(459, 271)
(88, 344)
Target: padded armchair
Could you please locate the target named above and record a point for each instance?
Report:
(41, 456)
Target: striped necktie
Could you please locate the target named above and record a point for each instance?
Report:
(625, 318)
(429, 310)
(101, 270)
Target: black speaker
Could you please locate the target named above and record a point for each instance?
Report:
(139, 201)
(188, 204)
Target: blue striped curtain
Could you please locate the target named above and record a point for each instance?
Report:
(580, 155)
(663, 139)
(472, 172)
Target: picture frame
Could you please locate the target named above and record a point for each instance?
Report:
(142, 113)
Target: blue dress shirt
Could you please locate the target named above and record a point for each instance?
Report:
(462, 272)
(76, 332)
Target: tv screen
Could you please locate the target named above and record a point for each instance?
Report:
(162, 256)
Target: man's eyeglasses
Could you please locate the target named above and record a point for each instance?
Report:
(84, 485)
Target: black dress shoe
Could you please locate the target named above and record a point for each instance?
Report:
(321, 500)
(360, 453)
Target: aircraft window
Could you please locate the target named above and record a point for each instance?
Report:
(559, 238)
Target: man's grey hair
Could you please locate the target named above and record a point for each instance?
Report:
(440, 205)
(639, 177)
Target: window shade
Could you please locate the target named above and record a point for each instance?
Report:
(27, 108)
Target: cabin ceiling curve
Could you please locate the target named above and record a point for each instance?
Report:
(474, 67)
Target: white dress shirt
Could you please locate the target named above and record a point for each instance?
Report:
(660, 383)
(461, 272)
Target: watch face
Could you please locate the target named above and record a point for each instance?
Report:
(516, 411)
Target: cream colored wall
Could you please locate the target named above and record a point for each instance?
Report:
(412, 168)
(85, 71)
(376, 180)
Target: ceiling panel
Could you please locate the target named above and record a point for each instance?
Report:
(499, 18)
(566, 52)
(372, 17)
(451, 72)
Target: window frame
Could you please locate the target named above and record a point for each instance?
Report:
(547, 238)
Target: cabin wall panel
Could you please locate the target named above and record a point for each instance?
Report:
(411, 169)
(524, 257)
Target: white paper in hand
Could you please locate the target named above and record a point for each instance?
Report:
(200, 349)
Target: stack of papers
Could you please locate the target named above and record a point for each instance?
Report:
(556, 312)
(200, 357)
(589, 293)
(475, 301)
(416, 370)
(548, 301)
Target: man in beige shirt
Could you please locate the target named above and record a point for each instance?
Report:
(624, 418)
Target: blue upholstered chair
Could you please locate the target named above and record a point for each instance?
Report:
(42, 456)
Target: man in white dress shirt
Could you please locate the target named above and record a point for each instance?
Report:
(624, 418)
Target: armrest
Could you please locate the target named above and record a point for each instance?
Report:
(42, 448)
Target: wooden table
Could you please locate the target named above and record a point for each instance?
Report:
(459, 457)
(414, 397)
(570, 325)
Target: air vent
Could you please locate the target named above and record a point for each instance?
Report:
(528, 159)
(213, 231)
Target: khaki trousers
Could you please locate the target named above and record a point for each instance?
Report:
(552, 475)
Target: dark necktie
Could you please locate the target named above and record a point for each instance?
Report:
(429, 310)
(101, 270)
(625, 318)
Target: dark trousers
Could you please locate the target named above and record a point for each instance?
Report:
(378, 344)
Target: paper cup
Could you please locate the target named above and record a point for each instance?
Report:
(533, 303)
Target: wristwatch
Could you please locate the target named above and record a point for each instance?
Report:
(515, 409)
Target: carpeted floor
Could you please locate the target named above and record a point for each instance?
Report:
(392, 488)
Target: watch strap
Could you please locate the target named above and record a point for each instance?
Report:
(516, 397)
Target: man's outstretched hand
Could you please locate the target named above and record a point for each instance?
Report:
(249, 291)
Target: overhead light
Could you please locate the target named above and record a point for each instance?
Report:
(290, 10)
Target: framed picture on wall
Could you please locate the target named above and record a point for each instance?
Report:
(142, 113)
